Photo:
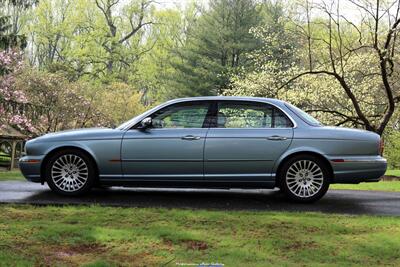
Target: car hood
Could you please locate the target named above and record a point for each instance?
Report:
(81, 134)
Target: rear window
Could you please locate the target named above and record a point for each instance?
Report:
(242, 114)
(304, 115)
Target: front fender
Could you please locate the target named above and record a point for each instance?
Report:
(70, 144)
(105, 153)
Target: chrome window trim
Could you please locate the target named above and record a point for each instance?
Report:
(154, 110)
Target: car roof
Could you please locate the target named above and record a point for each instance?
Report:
(233, 98)
(272, 101)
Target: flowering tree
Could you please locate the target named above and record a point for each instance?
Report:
(56, 104)
(358, 54)
(38, 102)
(12, 101)
(346, 70)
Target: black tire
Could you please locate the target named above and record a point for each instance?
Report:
(90, 175)
(301, 184)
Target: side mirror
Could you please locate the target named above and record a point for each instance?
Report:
(146, 123)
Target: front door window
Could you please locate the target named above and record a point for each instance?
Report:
(185, 115)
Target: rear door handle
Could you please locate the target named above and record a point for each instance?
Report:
(276, 138)
(190, 137)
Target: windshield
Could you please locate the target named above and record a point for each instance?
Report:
(304, 115)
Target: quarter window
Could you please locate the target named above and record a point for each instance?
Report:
(183, 115)
(250, 115)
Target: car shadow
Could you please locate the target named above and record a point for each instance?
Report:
(249, 200)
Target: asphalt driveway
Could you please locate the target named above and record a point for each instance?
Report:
(335, 201)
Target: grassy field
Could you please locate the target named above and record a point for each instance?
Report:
(11, 175)
(393, 186)
(101, 236)
(393, 172)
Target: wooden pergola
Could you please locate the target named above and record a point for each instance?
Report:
(11, 143)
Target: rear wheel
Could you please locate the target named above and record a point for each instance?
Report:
(70, 172)
(304, 178)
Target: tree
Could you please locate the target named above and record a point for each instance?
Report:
(12, 101)
(118, 100)
(136, 13)
(10, 36)
(216, 47)
(51, 31)
(55, 103)
(155, 78)
(392, 149)
(101, 39)
(374, 39)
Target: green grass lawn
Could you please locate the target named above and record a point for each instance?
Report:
(393, 172)
(11, 175)
(393, 186)
(105, 236)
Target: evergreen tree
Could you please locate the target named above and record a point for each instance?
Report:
(9, 36)
(216, 47)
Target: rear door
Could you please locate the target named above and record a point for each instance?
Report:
(246, 140)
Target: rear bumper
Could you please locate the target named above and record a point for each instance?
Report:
(358, 169)
(30, 167)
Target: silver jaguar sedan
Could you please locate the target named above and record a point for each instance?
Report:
(209, 142)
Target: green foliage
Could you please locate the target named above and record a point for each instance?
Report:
(119, 101)
(216, 47)
(392, 149)
(4, 160)
(9, 40)
(98, 39)
(9, 12)
(145, 52)
(153, 77)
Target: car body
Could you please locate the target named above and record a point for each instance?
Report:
(224, 142)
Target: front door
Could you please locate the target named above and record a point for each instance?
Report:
(246, 141)
(172, 148)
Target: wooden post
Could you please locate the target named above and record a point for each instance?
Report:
(13, 154)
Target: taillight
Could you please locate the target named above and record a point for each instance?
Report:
(381, 147)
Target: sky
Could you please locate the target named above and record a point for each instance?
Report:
(347, 9)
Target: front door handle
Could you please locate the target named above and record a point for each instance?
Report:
(190, 137)
(276, 138)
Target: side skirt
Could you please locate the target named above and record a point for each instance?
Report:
(188, 184)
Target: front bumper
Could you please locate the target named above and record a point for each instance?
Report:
(30, 167)
(358, 169)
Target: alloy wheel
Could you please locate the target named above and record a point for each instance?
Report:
(69, 173)
(304, 178)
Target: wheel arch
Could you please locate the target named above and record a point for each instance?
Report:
(286, 157)
(54, 150)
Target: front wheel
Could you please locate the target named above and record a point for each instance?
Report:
(70, 172)
(304, 178)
